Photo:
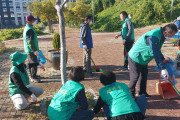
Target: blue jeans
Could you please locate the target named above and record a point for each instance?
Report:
(82, 115)
(141, 102)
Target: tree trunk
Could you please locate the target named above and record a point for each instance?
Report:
(60, 7)
(49, 25)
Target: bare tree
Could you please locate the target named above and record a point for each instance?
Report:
(60, 7)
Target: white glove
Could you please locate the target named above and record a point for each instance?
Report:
(41, 64)
(164, 72)
(36, 53)
(34, 98)
(85, 46)
(28, 86)
(124, 41)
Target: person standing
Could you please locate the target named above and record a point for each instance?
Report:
(177, 22)
(145, 49)
(31, 46)
(87, 44)
(127, 34)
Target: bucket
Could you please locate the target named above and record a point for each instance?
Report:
(166, 89)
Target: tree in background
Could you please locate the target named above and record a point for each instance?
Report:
(44, 10)
(76, 12)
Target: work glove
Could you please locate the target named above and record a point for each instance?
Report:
(42, 66)
(36, 53)
(84, 46)
(164, 73)
(116, 37)
(166, 61)
(34, 98)
(124, 41)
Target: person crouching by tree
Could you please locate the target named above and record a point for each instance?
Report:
(19, 86)
(70, 103)
(87, 44)
(116, 100)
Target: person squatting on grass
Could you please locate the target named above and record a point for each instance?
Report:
(144, 50)
(116, 100)
(70, 102)
(20, 88)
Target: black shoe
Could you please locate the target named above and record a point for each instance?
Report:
(123, 69)
(146, 95)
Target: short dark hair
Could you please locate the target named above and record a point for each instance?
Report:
(124, 13)
(76, 74)
(170, 28)
(88, 17)
(178, 43)
(107, 77)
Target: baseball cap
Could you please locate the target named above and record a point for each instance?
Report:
(30, 18)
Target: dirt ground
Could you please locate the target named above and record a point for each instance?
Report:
(108, 54)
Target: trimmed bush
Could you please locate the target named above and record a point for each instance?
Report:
(56, 41)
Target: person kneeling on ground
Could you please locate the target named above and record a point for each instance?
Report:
(19, 85)
(70, 103)
(116, 100)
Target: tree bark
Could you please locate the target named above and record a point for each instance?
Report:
(49, 25)
(60, 7)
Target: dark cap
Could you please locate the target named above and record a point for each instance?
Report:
(30, 18)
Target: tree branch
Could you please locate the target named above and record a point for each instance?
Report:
(58, 3)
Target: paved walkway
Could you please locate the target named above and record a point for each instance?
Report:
(107, 54)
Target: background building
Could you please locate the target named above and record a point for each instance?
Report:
(13, 12)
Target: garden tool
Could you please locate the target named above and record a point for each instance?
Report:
(96, 69)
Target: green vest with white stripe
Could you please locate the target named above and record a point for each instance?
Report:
(118, 99)
(141, 52)
(13, 89)
(124, 29)
(63, 104)
(26, 44)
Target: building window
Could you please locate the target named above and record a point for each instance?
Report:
(10, 4)
(3, 0)
(18, 14)
(12, 14)
(18, 9)
(17, 4)
(19, 21)
(4, 4)
(24, 4)
(11, 9)
(13, 21)
(4, 9)
(5, 15)
(24, 9)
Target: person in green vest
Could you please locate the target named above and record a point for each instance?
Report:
(70, 102)
(145, 49)
(116, 100)
(127, 34)
(177, 60)
(31, 46)
(20, 88)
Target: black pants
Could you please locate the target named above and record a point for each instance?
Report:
(130, 116)
(33, 70)
(137, 72)
(127, 48)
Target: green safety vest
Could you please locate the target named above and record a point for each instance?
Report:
(118, 99)
(124, 29)
(141, 52)
(13, 89)
(63, 104)
(26, 44)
